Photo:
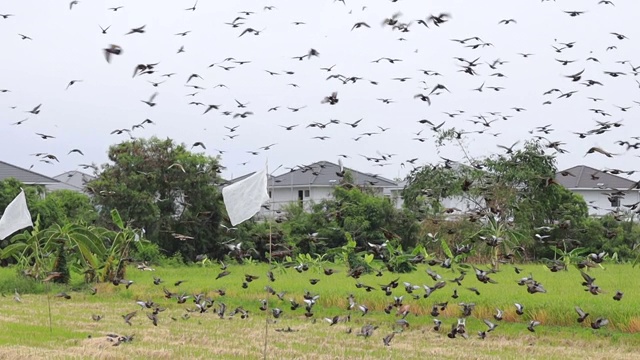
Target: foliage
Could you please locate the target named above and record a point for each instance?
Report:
(516, 188)
(60, 266)
(75, 206)
(165, 189)
(118, 247)
(53, 207)
(98, 253)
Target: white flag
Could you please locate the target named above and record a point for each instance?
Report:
(244, 198)
(15, 217)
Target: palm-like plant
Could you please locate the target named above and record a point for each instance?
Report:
(88, 249)
(500, 237)
(119, 246)
(27, 248)
(33, 249)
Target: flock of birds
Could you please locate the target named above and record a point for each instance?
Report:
(404, 298)
(429, 87)
(474, 74)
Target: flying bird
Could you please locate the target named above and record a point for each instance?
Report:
(112, 50)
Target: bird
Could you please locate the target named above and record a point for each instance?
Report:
(581, 314)
(199, 143)
(150, 101)
(45, 136)
(519, 309)
(112, 50)
(331, 99)
(127, 317)
(599, 150)
(360, 24)
(72, 82)
(138, 30)
(599, 322)
(35, 110)
(618, 295)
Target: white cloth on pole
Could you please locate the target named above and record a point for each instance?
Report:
(15, 217)
(245, 198)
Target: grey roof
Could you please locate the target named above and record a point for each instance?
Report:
(75, 178)
(25, 176)
(323, 173)
(236, 179)
(580, 177)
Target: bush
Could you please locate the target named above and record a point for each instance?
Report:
(148, 252)
(60, 266)
(176, 260)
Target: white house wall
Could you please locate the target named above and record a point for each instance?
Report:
(596, 198)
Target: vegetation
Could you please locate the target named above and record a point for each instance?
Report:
(56, 207)
(559, 335)
(49, 254)
(159, 191)
(159, 206)
(168, 191)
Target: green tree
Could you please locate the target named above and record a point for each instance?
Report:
(53, 207)
(515, 188)
(165, 189)
(358, 210)
(74, 206)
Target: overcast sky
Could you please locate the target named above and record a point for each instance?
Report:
(68, 45)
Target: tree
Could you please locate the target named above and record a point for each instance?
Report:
(74, 206)
(516, 188)
(53, 207)
(163, 188)
(356, 210)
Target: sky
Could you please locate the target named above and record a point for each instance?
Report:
(67, 44)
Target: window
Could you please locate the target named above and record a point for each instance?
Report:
(306, 193)
(269, 194)
(615, 201)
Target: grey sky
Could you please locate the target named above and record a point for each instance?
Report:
(67, 45)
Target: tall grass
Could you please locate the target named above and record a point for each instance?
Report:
(205, 335)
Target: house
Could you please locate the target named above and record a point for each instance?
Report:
(74, 178)
(315, 182)
(29, 177)
(598, 187)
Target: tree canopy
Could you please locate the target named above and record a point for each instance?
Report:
(516, 187)
(165, 189)
(53, 207)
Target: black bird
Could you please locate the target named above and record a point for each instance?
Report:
(600, 322)
(581, 314)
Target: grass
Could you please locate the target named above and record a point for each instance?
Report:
(26, 329)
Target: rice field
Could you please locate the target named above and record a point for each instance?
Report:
(29, 332)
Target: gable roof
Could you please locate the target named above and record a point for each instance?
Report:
(74, 178)
(323, 173)
(23, 175)
(239, 178)
(579, 177)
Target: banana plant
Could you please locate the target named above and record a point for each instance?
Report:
(27, 248)
(119, 246)
(502, 238)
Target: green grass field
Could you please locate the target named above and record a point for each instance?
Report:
(73, 333)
